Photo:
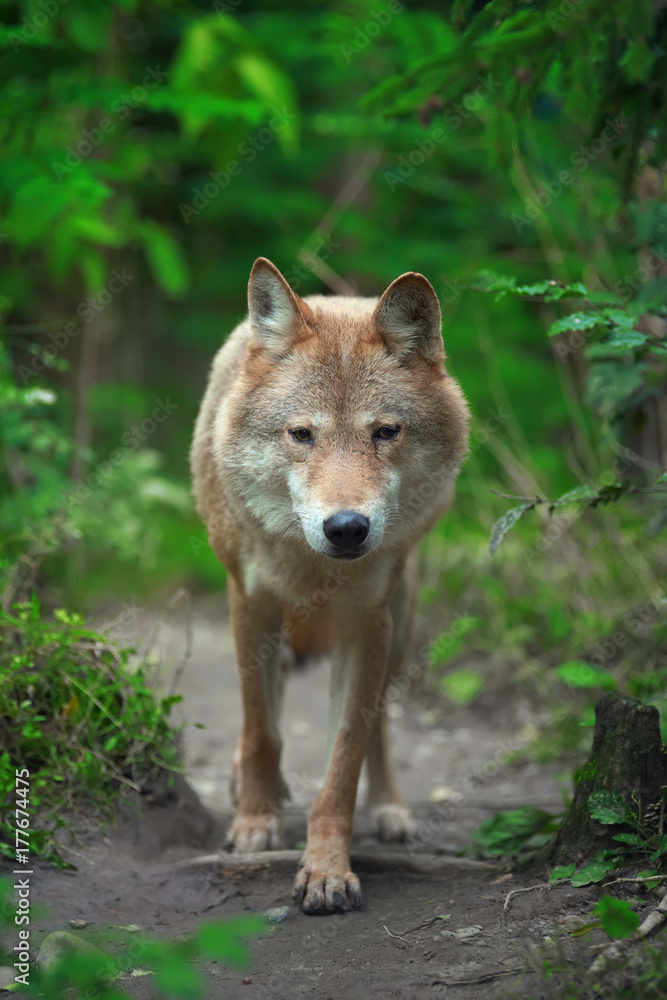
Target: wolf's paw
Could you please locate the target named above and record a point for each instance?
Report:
(255, 833)
(321, 892)
(392, 822)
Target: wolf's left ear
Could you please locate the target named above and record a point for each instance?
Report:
(407, 318)
(278, 316)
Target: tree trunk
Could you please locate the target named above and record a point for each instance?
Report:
(627, 758)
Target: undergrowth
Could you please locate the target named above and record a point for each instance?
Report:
(79, 716)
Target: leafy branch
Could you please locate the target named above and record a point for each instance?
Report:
(586, 495)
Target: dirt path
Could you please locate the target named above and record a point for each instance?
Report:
(453, 757)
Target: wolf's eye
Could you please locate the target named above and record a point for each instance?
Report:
(302, 434)
(386, 433)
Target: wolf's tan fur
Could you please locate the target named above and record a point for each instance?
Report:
(338, 368)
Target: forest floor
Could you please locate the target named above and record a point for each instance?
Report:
(130, 875)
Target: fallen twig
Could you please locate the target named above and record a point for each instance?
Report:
(649, 878)
(486, 977)
(427, 923)
(530, 888)
(397, 936)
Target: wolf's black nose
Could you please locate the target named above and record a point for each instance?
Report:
(346, 530)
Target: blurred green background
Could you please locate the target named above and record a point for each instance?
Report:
(152, 150)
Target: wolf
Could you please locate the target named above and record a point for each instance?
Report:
(328, 443)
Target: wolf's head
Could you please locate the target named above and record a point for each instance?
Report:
(344, 430)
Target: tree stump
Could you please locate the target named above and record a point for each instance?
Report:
(627, 758)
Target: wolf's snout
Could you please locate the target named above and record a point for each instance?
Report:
(346, 530)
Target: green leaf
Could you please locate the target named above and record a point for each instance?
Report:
(95, 270)
(616, 917)
(628, 838)
(647, 874)
(561, 871)
(98, 231)
(579, 674)
(175, 976)
(585, 929)
(463, 685)
(611, 385)
(662, 849)
(617, 344)
(637, 61)
(34, 207)
(576, 495)
(593, 872)
(575, 321)
(165, 258)
(222, 940)
(449, 643)
(607, 807)
(507, 832)
(503, 525)
(274, 88)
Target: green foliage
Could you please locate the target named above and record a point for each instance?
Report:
(627, 367)
(594, 871)
(582, 675)
(78, 714)
(462, 686)
(608, 55)
(616, 916)
(101, 964)
(610, 808)
(607, 807)
(511, 831)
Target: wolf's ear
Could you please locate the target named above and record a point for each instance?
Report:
(407, 318)
(277, 314)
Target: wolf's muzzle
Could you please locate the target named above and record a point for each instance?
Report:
(346, 530)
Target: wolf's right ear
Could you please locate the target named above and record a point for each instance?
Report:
(278, 316)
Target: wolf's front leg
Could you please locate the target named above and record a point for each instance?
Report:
(260, 788)
(324, 882)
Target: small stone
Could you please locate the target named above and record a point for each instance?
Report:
(59, 943)
(246, 981)
(441, 793)
(78, 923)
(466, 932)
(277, 914)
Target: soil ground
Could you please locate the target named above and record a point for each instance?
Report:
(451, 768)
